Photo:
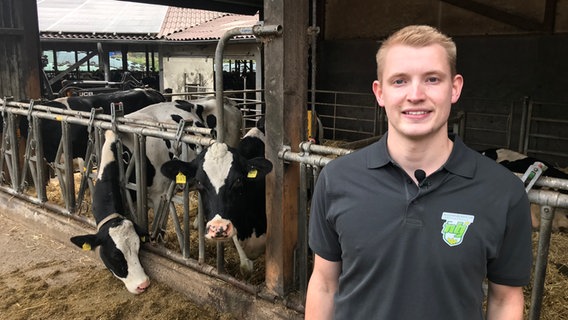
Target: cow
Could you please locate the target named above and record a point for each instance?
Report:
(132, 100)
(231, 182)
(519, 163)
(198, 113)
(117, 238)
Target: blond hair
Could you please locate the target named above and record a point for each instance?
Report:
(417, 36)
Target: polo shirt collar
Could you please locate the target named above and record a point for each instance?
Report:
(378, 155)
(458, 163)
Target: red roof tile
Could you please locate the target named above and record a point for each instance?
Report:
(215, 28)
(179, 19)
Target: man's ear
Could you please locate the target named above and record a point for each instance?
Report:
(378, 91)
(457, 85)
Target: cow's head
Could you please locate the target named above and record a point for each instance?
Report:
(222, 177)
(119, 241)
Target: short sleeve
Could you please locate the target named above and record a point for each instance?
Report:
(323, 239)
(513, 264)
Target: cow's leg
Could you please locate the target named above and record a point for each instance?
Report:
(246, 263)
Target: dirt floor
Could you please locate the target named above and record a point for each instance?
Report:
(41, 278)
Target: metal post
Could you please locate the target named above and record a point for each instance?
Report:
(546, 216)
(256, 30)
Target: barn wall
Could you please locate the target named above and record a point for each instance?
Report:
(195, 70)
(499, 62)
(504, 67)
(369, 19)
(196, 61)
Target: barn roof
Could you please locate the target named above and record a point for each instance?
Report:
(99, 16)
(100, 20)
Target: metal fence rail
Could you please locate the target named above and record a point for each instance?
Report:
(26, 179)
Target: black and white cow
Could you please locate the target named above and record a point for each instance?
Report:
(199, 113)
(232, 187)
(117, 238)
(519, 163)
(132, 100)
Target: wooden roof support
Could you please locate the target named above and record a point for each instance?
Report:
(512, 19)
(286, 76)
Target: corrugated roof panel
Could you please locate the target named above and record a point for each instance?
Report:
(99, 16)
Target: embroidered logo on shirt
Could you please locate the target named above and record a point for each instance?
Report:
(455, 227)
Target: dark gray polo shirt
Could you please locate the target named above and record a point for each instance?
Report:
(412, 252)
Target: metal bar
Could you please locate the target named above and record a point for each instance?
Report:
(527, 128)
(40, 164)
(141, 182)
(546, 217)
(186, 223)
(302, 252)
(67, 166)
(127, 126)
(258, 31)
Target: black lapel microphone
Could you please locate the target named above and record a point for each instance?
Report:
(420, 175)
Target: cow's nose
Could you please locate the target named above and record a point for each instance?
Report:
(143, 286)
(219, 230)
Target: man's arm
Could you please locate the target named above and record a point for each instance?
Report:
(322, 288)
(505, 302)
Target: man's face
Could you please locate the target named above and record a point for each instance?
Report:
(417, 90)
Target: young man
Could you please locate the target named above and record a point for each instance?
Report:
(410, 226)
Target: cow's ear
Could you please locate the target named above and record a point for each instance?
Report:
(143, 234)
(172, 168)
(86, 242)
(258, 168)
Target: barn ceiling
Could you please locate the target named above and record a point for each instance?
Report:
(249, 7)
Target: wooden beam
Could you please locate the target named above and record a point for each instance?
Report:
(11, 31)
(27, 10)
(550, 16)
(498, 14)
(286, 78)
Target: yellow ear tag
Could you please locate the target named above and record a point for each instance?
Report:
(252, 173)
(143, 238)
(86, 247)
(180, 178)
(58, 118)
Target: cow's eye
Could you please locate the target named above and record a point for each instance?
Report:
(238, 183)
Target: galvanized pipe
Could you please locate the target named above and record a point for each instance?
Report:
(553, 183)
(315, 160)
(123, 127)
(57, 114)
(316, 148)
(546, 217)
(256, 30)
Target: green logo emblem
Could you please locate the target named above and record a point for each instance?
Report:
(455, 227)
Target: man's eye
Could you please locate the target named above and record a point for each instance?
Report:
(398, 82)
(433, 79)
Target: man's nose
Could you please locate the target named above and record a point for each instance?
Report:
(416, 92)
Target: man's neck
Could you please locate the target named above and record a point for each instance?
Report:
(427, 154)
